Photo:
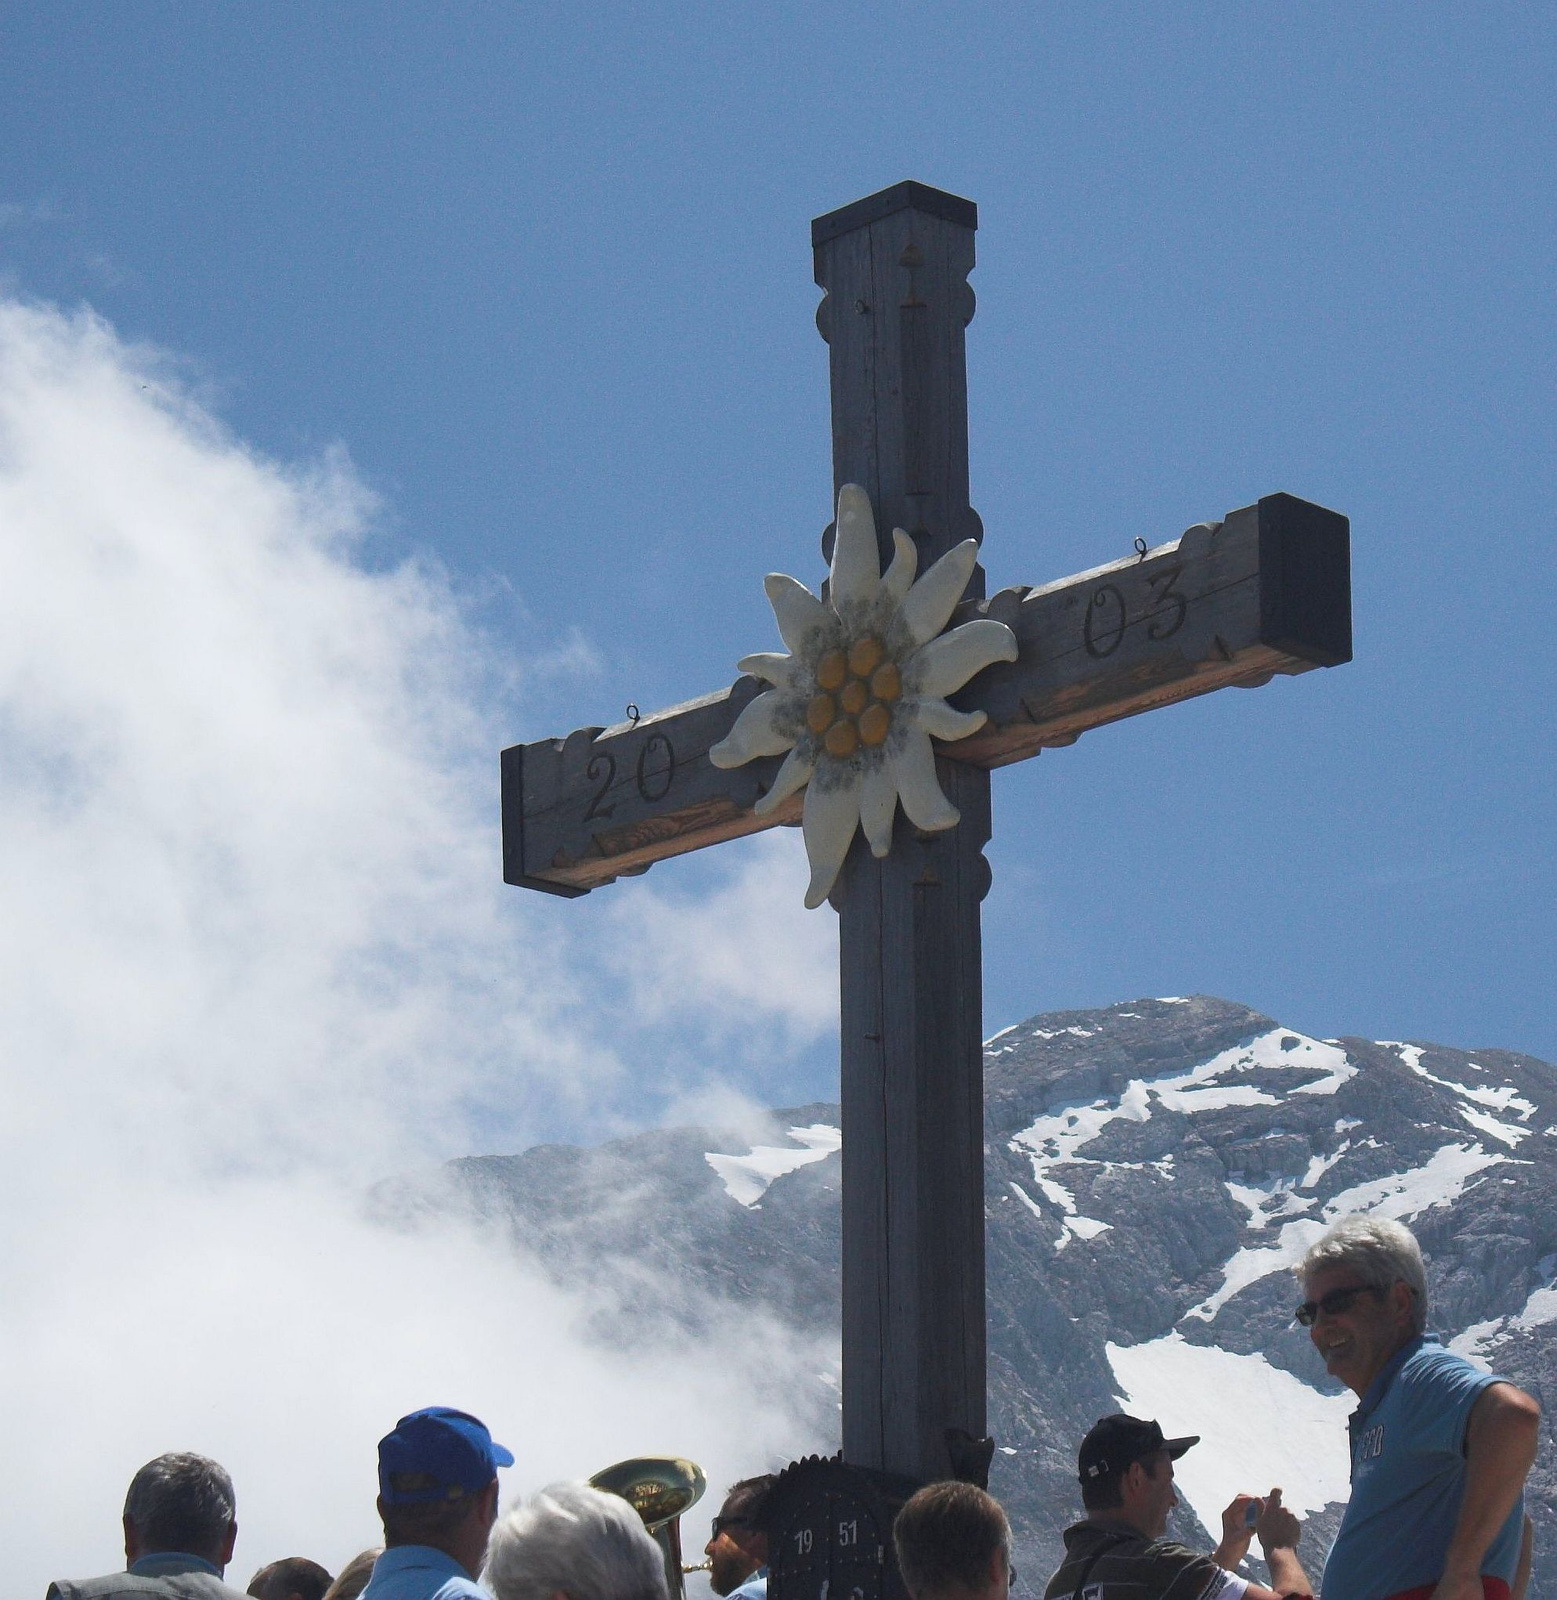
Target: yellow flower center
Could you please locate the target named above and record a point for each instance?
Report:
(855, 692)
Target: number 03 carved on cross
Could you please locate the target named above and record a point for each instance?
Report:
(895, 695)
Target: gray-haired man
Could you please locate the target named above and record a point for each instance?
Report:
(1440, 1449)
(179, 1532)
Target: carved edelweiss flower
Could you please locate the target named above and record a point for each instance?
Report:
(860, 694)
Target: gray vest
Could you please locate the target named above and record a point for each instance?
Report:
(127, 1586)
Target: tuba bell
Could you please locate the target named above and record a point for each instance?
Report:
(660, 1489)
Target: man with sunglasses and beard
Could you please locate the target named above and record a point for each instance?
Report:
(1439, 1448)
(738, 1551)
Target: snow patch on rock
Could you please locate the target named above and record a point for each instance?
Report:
(747, 1178)
(1485, 1122)
(1318, 1166)
(1056, 1138)
(1231, 1400)
(1503, 1097)
(1479, 1340)
(1440, 1181)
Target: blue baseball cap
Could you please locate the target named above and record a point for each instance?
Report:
(452, 1448)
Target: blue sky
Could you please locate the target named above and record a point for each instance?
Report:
(382, 385)
(544, 273)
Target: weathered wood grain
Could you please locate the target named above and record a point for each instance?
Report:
(580, 811)
(1266, 591)
(912, 1093)
(910, 973)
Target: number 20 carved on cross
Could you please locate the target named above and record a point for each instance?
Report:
(1107, 616)
(653, 784)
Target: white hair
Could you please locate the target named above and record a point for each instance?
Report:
(1381, 1252)
(571, 1538)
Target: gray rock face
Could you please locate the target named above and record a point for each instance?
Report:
(1152, 1170)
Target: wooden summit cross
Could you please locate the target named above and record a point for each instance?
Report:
(1265, 591)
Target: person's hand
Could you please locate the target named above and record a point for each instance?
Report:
(1236, 1533)
(1236, 1528)
(1277, 1527)
(1452, 1587)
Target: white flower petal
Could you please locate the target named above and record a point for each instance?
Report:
(753, 734)
(878, 806)
(940, 721)
(947, 662)
(770, 665)
(905, 563)
(794, 774)
(797, 611)
(856, 570)
(913, 771)
(830, 818)
(929, 604)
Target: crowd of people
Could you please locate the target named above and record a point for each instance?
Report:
(1440, 1452)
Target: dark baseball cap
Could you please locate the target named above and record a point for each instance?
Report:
(451, 1448)
(1116, 1441)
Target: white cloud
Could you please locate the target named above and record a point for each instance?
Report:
(283, 1337)
(246, 794)
(740, 953)
(256, 954)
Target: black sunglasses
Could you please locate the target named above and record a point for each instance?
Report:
(721, 1523)
(1332, 1304)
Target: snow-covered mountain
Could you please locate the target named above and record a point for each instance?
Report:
(1153, 1169)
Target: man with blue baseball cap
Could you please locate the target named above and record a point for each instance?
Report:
(437, 1497)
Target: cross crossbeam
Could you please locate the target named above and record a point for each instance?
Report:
(1228, 604)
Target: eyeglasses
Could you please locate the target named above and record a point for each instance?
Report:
(721, 1523)
(1332, 1304)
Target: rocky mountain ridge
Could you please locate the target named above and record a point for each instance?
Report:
(1152, 1169)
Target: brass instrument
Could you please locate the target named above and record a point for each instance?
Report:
(660, 1489)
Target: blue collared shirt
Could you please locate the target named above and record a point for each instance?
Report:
(418, 1572)
(169, 1563)
(755, 1587)
(1408, 1476)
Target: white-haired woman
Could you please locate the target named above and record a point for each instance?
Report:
(571, 1542)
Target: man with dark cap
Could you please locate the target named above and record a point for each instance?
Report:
(179, 1530)
(437, 1497)
(1119, 1553)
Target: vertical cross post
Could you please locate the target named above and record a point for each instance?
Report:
(894, 268)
